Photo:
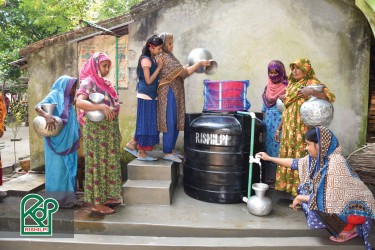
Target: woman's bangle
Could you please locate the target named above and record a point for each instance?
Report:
(278, 131)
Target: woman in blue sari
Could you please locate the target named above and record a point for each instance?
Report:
(60, 152)
(331, 194)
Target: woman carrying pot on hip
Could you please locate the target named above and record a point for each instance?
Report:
(101, 139)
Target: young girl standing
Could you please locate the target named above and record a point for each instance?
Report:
(146, 134)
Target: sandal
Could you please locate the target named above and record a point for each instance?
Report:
(104, 210)
(344, 236)
(172, 157)
(178, 155)
(111, 203)
(147, 158)
(133, 152)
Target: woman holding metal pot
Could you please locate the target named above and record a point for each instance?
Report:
(60, 151)
(102, 139)
(291, 126)
(171, 97)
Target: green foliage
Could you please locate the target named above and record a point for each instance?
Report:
(18, 89)
(23, 22)
(19, 112)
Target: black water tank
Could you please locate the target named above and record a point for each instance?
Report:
(216, 165)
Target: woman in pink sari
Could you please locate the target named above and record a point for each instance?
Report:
(101, 139)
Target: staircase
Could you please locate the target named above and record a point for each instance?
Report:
(150, 182)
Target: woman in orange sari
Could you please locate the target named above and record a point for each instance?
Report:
(3, 113)
(292, 127)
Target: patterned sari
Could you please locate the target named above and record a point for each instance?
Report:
(101, 140)
(171, 75)
(293, 129)
(336, 191)
(3, 113)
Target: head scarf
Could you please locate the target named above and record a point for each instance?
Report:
(67, 140)
(276, 85)
(167, 38)
(295, 85)
(172, 68)
(336, 187)
(91, 70)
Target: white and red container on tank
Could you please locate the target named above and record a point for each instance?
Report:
(225, 96)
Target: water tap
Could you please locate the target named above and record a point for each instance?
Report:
(255, 159)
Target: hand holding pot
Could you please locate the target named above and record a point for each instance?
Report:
(50, 122)
(109, 114)
(305, 92)
(205, 63)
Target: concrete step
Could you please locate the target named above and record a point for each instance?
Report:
(111, 242)
(152, 170)
(23, 185)
(148, 192)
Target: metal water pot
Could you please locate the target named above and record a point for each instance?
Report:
(202, 54)
(259, 204)
(96, 115)
(315, 111)
(280, 105)
(39, 123)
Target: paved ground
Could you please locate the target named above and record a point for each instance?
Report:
(22, 146)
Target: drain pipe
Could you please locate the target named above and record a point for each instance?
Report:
(252, 115)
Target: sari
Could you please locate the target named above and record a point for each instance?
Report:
(172, 75)
(275, 87)
(3, 113)
(101, 140)
(336, 191)
(60, 152)
(293, 129)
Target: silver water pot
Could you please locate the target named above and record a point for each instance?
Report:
(39, 123)
(95, 115)
(280, 105)
(202, 54)
(259, 204)
(315, 111)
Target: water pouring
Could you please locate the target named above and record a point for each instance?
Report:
(258, 204)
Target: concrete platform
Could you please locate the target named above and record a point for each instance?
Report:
(186, 224)
(24, 184)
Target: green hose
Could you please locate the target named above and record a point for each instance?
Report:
(252, 114)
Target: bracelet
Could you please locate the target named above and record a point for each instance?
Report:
(278, 131)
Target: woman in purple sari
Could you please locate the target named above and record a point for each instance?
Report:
(60, 152)
(275, 88)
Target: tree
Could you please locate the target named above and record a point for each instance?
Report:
(23, 22)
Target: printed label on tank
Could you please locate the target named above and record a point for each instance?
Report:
(212, 139)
